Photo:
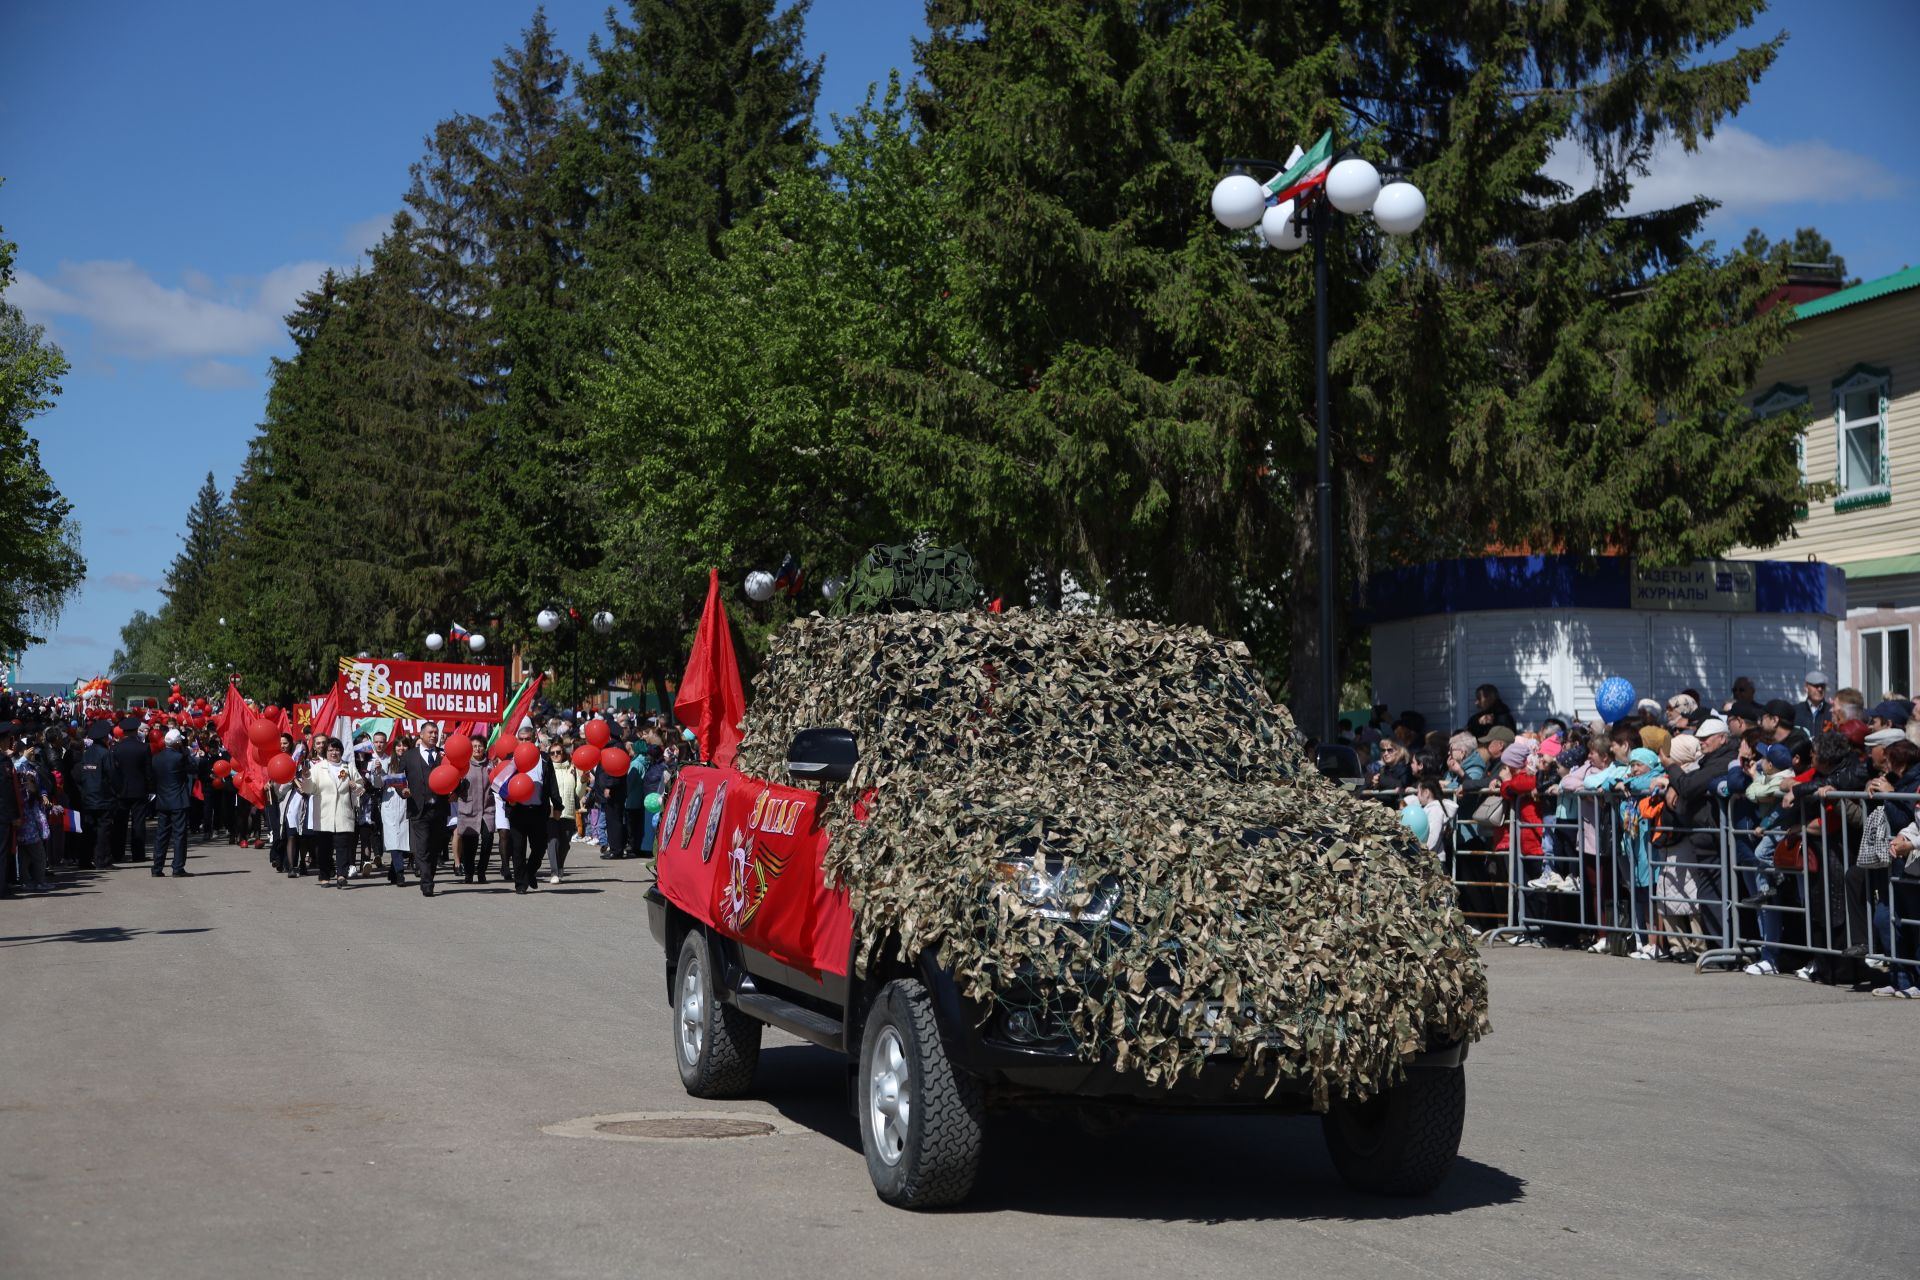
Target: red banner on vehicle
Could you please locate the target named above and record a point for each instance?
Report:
(396, 689)
(744, 856)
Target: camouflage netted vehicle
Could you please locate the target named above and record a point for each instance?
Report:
(1061, 861)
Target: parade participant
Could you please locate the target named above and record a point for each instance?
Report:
(388, 785)
(95, 783)
(133, 788)
(526, 823)
(172, 800)
(428, 814)
(572, 786)
(30, 824)
(10, 806)
(472, 821)
(334, 787)
(610, 793)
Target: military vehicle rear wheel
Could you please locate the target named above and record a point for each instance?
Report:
(920, 1118)
(714, 1044)
(1403, 1141)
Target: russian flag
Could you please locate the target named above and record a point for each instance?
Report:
(72, 821)
(458, 634)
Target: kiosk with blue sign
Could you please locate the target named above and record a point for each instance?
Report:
(1548, 629)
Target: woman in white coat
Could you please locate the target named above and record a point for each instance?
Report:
(383, 773)
(332, 787)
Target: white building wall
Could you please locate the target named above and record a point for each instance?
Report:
(1552, 662)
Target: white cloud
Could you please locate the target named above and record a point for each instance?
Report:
(363, 235)
(217, 375)
(133, 314)
(121, 580)
(1743, 171)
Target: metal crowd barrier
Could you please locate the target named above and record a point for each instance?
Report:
(1821, 905)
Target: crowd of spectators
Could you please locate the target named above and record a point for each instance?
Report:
(1619, 836)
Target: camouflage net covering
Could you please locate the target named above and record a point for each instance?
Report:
(1199, 889)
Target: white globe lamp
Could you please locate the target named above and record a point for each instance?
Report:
(1400, 208)
(477, 642)
(1277, 228)
(435, 641)
(603, 622)
(759, 586)
(1238, 201)
(1352, 185)
(547, 620)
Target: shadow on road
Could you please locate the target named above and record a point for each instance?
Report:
(113, 933)
(1202, 1168)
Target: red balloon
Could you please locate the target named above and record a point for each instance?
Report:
(118, 732)
(616, 762)
(597, 732)
(221, 768)
(502, 748)
(444, 779)
(219, 783)
(460, 750)
(585, 757)
(526, 757)
(282, 768)
(261, 733)
(519, 788)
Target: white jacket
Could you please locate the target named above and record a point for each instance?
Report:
(334, 788)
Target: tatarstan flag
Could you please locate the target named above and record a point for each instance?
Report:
(1308, 170)
(518, 706)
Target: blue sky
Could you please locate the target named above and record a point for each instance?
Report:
(177, 174)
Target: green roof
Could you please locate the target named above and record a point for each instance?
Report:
(1909, 278)
(1884, 568)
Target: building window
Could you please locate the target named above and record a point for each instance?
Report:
(1886, 663)
(1781, 398)
(1860, 444)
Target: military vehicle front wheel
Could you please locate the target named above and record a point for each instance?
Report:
(715, 1045)
(920, 1118)
(1400, 1142)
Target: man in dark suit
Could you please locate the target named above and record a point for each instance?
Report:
(427, 814)
(98, 787)
(172, 798)
(133, 784)
(529, 824)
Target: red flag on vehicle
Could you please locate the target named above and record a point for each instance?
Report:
(711, 701)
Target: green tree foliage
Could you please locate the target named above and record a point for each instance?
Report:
(1533, 369)
(40, 561)
(1807, 248)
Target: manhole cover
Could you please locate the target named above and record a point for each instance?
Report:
(671, 1126)
(689, 1127)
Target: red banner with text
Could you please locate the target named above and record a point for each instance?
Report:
(401, 690)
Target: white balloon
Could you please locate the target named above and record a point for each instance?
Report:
(1400, 208)
(476, 642)
(1352, 185)
(759, 586)
(434, 641)
(1277, 229)
(1238, 201)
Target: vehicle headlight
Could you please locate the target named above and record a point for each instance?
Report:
(1063, 894)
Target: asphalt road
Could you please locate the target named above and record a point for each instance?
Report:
(243, 1076)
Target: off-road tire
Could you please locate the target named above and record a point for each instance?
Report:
(939, 1146)
(720, 1060)
(1401, 1142)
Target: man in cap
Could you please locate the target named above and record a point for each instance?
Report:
(1814, 711)
(1743, 714)
(1889, 714)
(172, 797)
(1778, 723)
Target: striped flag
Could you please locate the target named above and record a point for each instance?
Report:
(1308, 169)
(73, 820)
(518, 706)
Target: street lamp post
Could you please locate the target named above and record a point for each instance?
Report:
(548, 620)
(1296, 205)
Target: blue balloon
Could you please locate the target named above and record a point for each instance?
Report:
(1414, 819)
(1614, 698)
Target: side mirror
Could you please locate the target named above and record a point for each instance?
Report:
(822, 755)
